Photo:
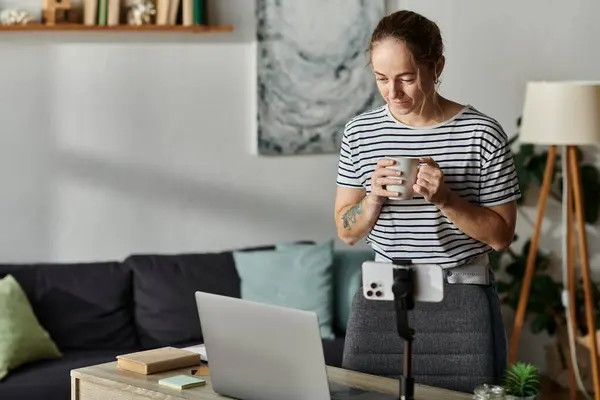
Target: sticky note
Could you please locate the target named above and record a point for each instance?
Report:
(181, 382)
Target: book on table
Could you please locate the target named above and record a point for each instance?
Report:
(158, 360)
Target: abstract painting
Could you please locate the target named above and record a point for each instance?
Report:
(312, 71)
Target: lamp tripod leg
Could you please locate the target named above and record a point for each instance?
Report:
(571, 275)
(585, 268)
(531, 257)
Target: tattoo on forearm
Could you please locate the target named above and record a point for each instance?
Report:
(349, 216)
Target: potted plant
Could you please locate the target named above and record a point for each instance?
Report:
(522, 382)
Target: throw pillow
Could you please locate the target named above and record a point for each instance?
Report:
(22, 338)
(347, 276)
(300, 277)
(347, 279)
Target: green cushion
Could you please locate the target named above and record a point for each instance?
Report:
(347, 280)
(298, 277)
(22, 338)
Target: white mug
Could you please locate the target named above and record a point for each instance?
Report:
(409, 167)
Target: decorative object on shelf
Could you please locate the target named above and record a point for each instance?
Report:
(123, 28)
(15, 16)
(140, 12)
(522, 382)
(312, 73)
(57, 12)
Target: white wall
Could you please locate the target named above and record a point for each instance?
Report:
(113, 144)
(492, 50)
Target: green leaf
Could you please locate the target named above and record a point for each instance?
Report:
(536, 307)
(523, 175)
(502, 287)
(589, 175)
(541, 260)
(541, 263)
(526, 149)
(543, 323)
(514, 294)
(591, 201)
(537, 166)
(590, 183)
(578, 155)
(525, 249)
(516, 269)
(512, 140)
(545, 287)
(522, 380)
(495, 258)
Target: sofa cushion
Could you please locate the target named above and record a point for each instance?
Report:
(51, 379)
(347, 279)
(82, 306)
(295, 276)
(347, 276)
(164, 287)
(22, 339)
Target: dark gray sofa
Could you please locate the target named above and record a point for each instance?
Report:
(96, 311)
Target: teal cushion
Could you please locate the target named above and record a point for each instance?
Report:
(347, 280)
(298, 277)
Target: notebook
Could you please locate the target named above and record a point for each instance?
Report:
(158, 360)
(181, 382)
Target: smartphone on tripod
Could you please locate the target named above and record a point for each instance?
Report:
(378, 279)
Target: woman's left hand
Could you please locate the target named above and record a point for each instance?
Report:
(430, 183)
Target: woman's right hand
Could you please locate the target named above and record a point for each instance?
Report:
(381, 177)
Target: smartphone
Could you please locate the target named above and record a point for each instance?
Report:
(378, 279)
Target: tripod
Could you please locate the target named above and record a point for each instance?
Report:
(403, 290)
(572, 183)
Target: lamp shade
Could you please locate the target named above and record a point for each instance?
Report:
(561, 113)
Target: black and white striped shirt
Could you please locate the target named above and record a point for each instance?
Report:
(472, 151)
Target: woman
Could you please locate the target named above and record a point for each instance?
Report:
(464, 207)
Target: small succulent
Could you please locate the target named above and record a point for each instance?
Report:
(522, 380)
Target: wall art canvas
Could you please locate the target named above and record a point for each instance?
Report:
(313, 73)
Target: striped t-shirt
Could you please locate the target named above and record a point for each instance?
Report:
(473, 153)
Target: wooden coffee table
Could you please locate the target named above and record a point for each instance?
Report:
(107, 381)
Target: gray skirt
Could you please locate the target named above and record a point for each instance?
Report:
(459, 343)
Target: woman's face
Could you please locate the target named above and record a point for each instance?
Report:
(400, 84)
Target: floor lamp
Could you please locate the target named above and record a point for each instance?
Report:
(562, 114)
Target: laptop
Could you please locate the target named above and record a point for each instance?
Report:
(258, 351)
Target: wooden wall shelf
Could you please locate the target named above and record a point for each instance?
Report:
(197, 29)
